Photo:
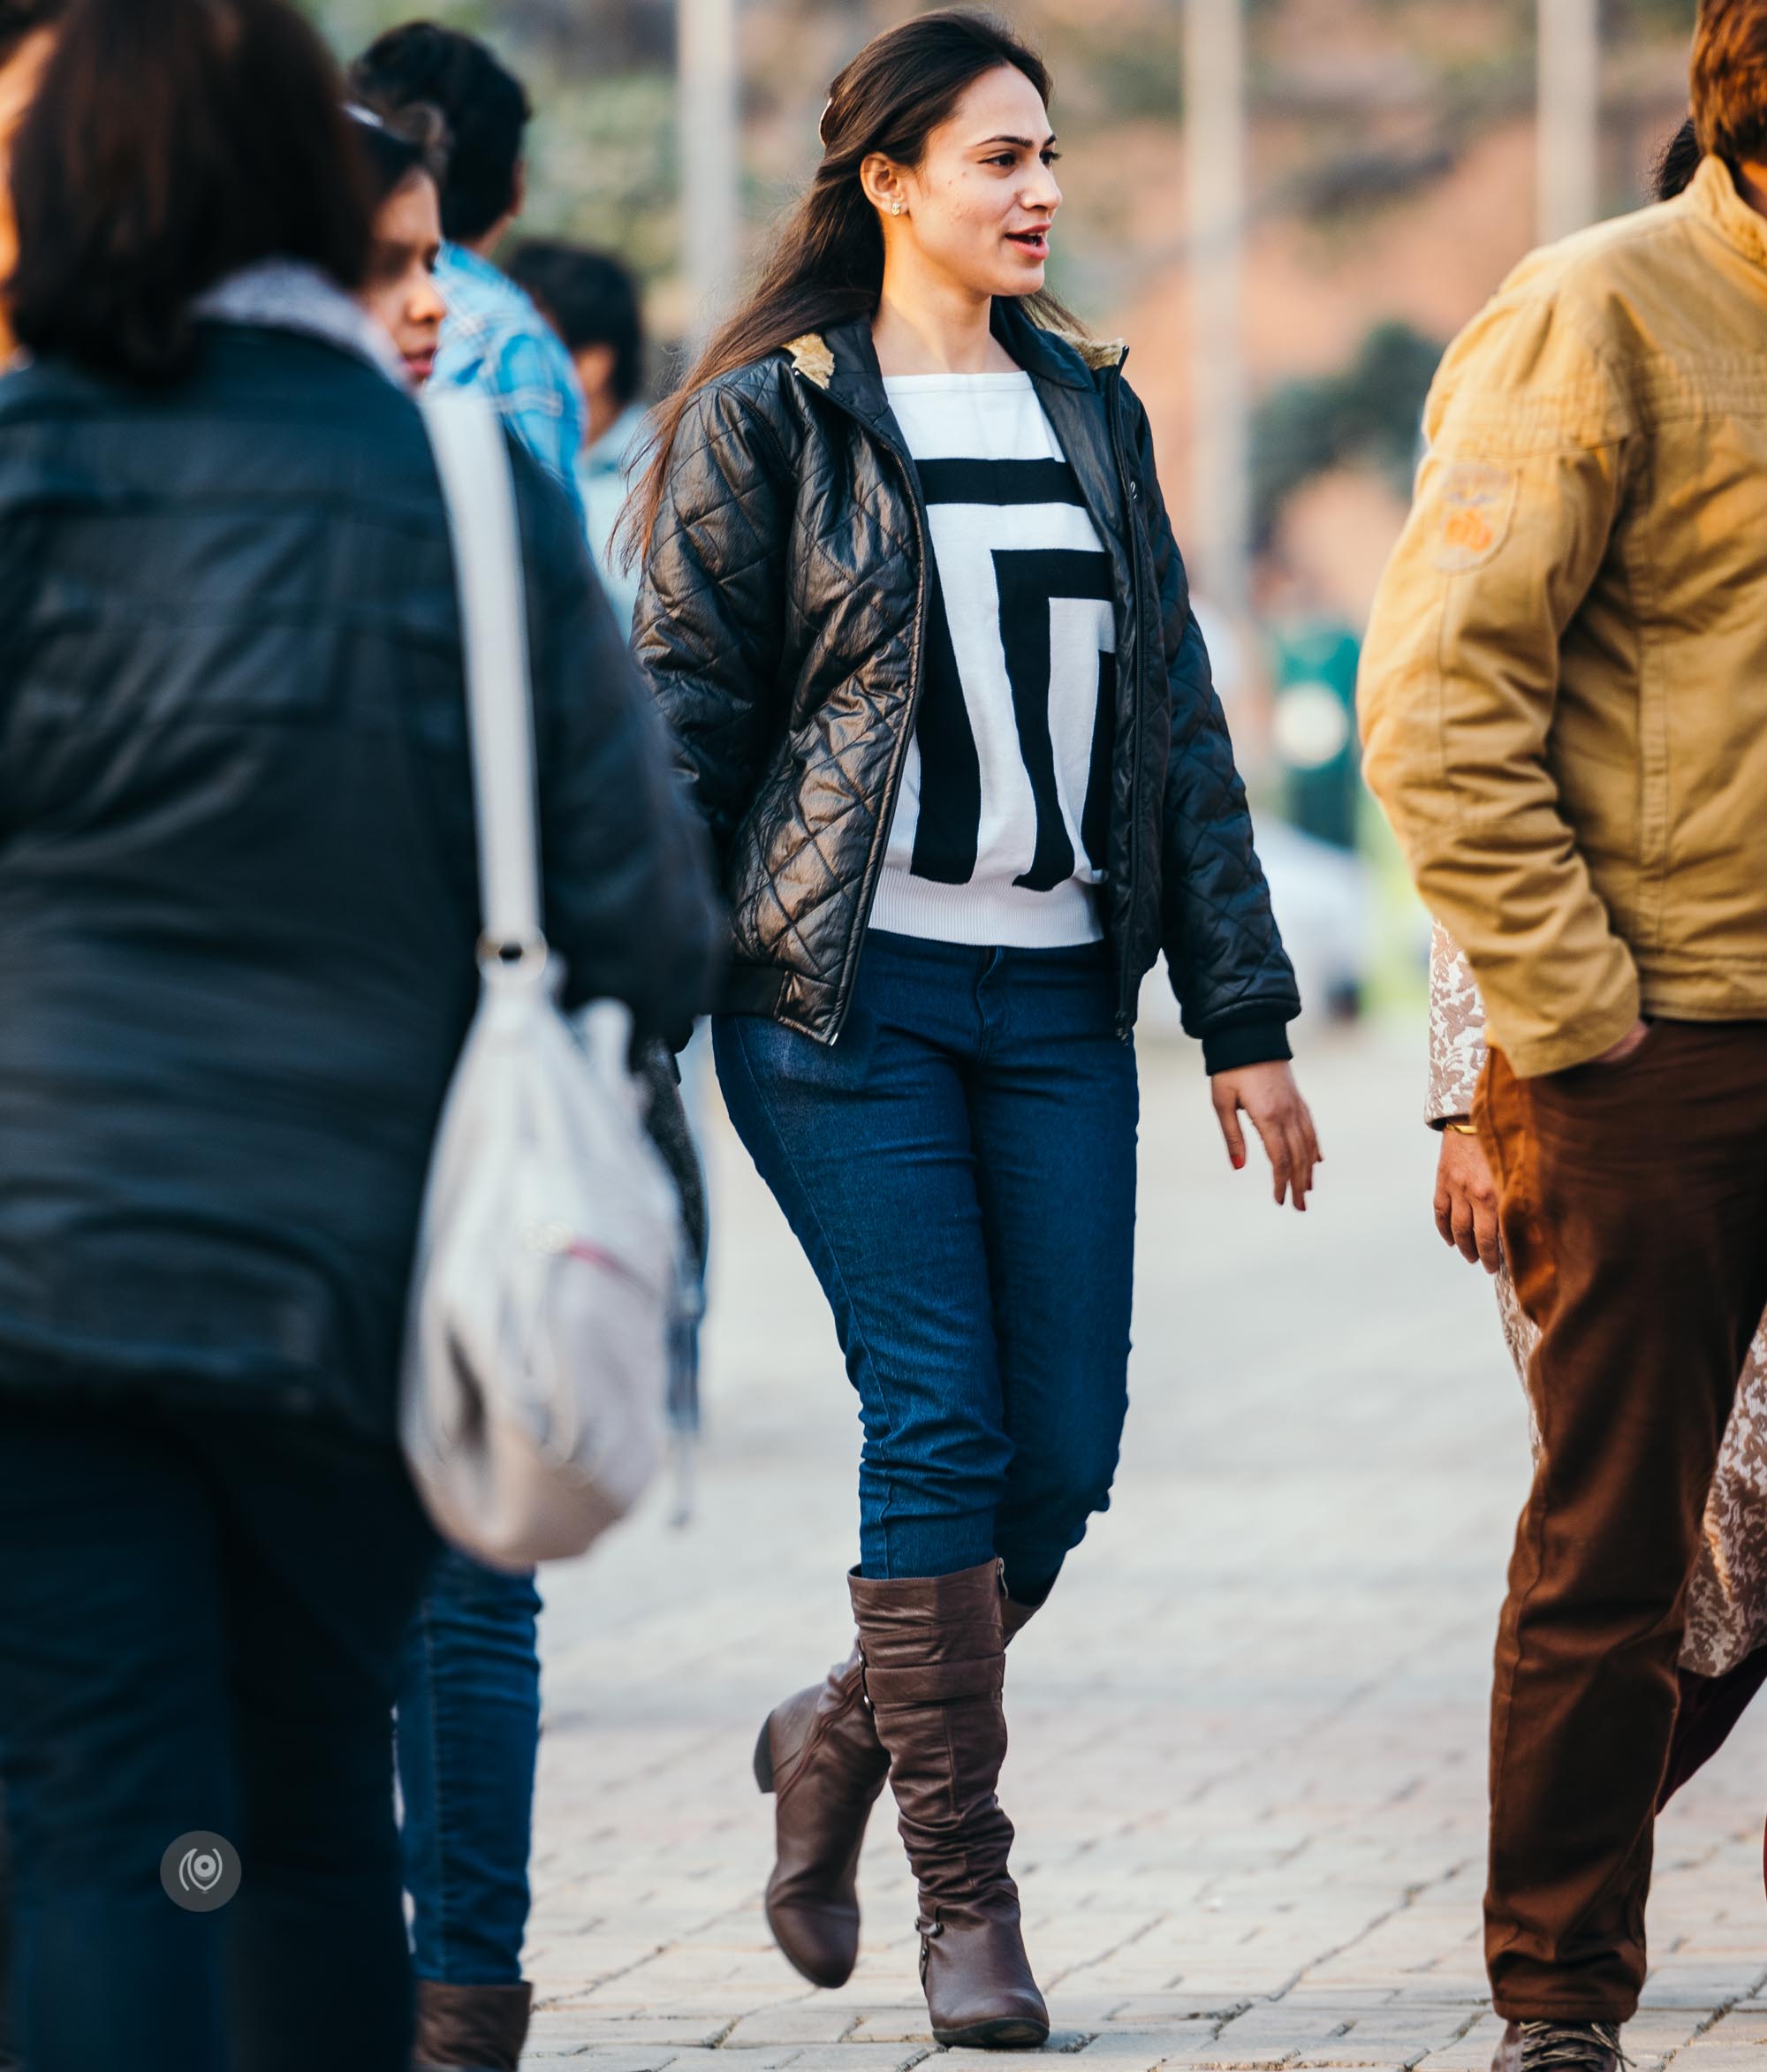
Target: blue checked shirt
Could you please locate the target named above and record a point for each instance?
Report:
(495, 339)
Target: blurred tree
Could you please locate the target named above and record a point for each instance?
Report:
(604, 152)
(1359, 111)
(1652, 17)
(1370, 415)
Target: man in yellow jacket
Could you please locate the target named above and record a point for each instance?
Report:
(1564, 700)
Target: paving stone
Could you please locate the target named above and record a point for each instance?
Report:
(840, 2057)
(901, 2025)
(1742, 2028)
(559, 2050)
(1470, 2051)
(588, 2026)
(822, 2020)
(1124, 2045)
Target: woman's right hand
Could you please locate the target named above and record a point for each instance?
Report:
(1466, 1201)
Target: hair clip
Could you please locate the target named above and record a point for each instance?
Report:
(821, 133)
(366, 116)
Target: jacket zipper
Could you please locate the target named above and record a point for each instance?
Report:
(1131, 493)
(868, 891)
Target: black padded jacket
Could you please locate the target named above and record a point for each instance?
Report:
(781, 626)
(238, 899)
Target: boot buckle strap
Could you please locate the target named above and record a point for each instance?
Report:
(934, 1683)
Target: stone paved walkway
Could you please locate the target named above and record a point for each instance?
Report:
(1247, 1735)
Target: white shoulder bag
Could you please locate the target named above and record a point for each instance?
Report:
(536, 1358)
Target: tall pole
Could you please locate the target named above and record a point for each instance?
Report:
(1568, 118)
(711, 213)
(1215, 147)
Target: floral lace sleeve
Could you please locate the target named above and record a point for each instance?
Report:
(1457, 1031)
(1727, 1598)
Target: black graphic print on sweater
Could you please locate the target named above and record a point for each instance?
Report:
(1001, 828)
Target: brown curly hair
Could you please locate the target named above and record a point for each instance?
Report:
(1728, 79)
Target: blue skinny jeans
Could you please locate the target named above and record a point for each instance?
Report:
(959, 1168)
(468, 1740)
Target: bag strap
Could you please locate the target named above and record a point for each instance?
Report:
(466, 437)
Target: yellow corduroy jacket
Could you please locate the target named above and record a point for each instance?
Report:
(1564, 689)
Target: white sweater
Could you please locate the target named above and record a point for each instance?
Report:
(1000, 823)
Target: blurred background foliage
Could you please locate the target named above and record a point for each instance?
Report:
(1391, 149)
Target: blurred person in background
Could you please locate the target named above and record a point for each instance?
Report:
(25, 45)
(913, 608)
(594, 302)
(238, 919)
(1564, 709)
(495, 339)
(405, 153)
(1724, 1651)
(469, 1697)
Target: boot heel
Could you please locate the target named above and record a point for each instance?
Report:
(763, 1756)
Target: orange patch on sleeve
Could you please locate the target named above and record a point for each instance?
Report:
(1475, 503)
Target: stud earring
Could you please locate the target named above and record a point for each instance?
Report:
(895, 208)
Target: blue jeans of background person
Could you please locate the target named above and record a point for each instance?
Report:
(468, 1738)
(199, 1622)
(959, 1168)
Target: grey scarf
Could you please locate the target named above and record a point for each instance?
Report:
(288, 295)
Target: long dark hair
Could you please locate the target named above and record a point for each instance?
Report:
(828, 260)
(170, 143)
(1676, 164)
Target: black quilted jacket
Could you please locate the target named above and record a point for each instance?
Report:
(782, 623)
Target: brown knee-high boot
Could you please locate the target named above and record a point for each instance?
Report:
(934, 1657)
(820, 1756)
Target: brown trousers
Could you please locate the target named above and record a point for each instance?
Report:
(1633, 1205)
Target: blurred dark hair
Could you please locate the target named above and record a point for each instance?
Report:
(828, 260)
(484, 105)
(398, 142)
(169, 146)
(1676, 164)
(591, 299)
(18, 18)
(1727, 79)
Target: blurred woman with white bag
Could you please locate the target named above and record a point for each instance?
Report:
(238, 913)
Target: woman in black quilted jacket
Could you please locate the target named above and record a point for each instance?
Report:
(913, 610)
(238, 918)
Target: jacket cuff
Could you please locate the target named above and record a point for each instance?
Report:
(1245, 1043)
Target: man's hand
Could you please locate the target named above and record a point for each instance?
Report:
(1269, 1096)
(1466, 1201)
(1618, 1053)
